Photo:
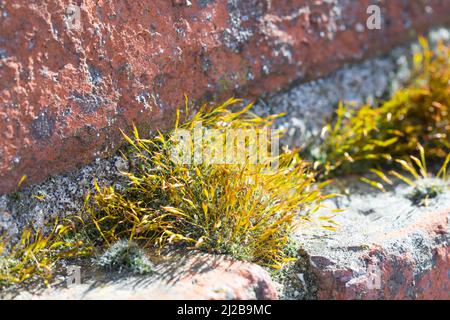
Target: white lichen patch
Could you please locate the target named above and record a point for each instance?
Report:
(308, 106)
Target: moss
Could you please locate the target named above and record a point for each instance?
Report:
(37, 254)
(296, 280)
(246, 210)
(426, 190)
(415, 172)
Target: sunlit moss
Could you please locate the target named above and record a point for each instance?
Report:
(371, 136)
(249, 210)
(416, 173)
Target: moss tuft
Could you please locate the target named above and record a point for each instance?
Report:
(372, 136)
(426, 190)
(36, 255)
(246, 210)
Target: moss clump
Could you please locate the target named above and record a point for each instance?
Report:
(374, 135)
(125, 256)
(414, 172)
(427, 189)
(37, 254)
(247, 210)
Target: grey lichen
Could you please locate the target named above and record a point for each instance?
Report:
(125, 256)
(43, 126)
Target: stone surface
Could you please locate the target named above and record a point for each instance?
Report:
(66, 89)
(385, 248)
(186, 277)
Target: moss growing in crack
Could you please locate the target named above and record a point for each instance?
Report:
(125, 256)
(425, 185)
(295, 278)
(245, 209)
(373, 136)
(37, 254)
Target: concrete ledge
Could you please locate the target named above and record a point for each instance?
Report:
(180, 277)
(385, 248)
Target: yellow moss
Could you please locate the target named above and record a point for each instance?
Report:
(373, 135)
(246, 210)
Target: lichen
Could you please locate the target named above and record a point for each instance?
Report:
(125, 256)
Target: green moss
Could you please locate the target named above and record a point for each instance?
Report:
(36, 255)
(372, 136)
(427, 189)
(415, 172)
(248, 210)
(125, 256)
